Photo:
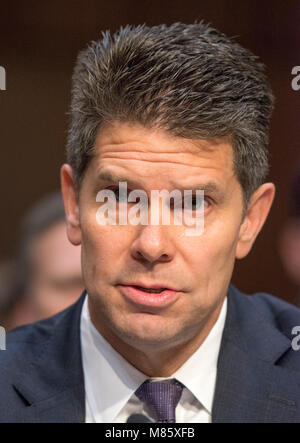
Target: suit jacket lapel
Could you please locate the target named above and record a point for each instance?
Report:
(250, 387)
(50, 380)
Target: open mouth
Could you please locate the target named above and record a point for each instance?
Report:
(150, 290)
(155, 297)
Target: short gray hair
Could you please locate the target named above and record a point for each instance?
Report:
(190, 80)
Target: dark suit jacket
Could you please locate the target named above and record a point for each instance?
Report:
(258, 377)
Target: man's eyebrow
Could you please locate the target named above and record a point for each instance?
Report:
(106, 175)
(209, 187)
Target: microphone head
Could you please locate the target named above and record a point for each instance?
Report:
(138, 418)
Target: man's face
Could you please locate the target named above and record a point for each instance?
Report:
(116, 258)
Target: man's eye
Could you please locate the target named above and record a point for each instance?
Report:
(195, 203)
(120, 195)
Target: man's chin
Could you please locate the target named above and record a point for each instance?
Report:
(147, 331)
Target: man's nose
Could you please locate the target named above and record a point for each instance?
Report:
(153, 244)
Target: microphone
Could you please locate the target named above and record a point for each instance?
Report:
(139, 418)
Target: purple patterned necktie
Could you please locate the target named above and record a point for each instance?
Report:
(161, 397)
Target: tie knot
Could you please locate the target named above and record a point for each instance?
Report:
(161, 397)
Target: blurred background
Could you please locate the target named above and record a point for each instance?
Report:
(39, 42)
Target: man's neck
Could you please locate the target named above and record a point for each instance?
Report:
(163, 360)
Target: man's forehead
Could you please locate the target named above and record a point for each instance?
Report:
(137, 148)
(124, 136)
(135, 154)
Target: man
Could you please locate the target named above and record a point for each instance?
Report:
(45, 274)
(160, 332)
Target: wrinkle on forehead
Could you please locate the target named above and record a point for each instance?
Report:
(122, 135)
(134, 143)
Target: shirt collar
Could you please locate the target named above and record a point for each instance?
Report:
(110, 380)
(199, 372)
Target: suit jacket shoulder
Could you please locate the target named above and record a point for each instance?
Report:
(41, 371)
(258, 377)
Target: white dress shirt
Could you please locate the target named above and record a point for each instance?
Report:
(111, 381)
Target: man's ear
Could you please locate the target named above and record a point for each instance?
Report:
(71, 202)
(257, 212)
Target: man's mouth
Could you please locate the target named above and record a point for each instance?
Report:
(154, 296)
(150, 290)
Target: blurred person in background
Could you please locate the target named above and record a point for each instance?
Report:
(290, 236)
(45, 276)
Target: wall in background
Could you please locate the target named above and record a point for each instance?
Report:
(39, 42)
